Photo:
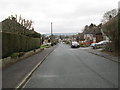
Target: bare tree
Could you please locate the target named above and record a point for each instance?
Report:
(20, 19)
(30, 24)
(109, 15)
(16, 17)
(85, 28)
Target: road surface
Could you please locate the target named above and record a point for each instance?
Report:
(74, 68)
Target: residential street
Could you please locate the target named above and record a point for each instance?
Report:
(16, 74)
(60, 44)
(67, 67)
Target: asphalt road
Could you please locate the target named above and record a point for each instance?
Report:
(15, 74)
(74, 68)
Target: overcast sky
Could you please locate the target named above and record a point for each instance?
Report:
(67, 15)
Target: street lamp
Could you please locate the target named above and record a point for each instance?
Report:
(51, 35)
(51, 29)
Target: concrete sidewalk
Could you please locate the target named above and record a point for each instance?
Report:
(18, 72)
(102, 54)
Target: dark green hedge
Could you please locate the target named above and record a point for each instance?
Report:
(34, 35)
(17, 43)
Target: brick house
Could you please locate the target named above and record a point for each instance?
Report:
(93, 35)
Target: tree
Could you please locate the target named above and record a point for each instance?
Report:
(20, 25)
(85, 28)
(109, 15)
(92, 25)
(111, 30)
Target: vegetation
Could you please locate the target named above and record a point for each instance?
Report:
(14, 55)
(118, 33)
(34, 34)
(109, 15)
(18, 43)
(25, 23)
(18, 35)
(110, 28)
(84, 45)
(54, 42)
(45, 46)
(20, 26)
(17, 54)
(67, 42)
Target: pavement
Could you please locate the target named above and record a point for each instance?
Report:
(67, 67)
(102, 54)
(15, 75)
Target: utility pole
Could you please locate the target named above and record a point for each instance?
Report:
(51, 29)
(51, 35)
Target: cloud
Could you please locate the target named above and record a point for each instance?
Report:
(66, 15)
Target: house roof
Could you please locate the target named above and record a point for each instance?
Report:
(81, 35)
(95, 30)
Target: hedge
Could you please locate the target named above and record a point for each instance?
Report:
(111, 30)
(18, 43)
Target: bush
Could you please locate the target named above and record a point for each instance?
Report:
(67, 42)
(81, 44)
(109, 47)
(35, 35)
(84, 45)
(21, 54)
(97, 47)
(111, 30)
(14, 55)
(54, 42)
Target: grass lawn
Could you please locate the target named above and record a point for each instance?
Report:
(45, 46)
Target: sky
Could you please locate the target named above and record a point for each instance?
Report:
(67, 16)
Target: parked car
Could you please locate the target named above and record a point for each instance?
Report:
(93, 44)
(63, 42)
(101, 43)
(48, 43)
(75, 45)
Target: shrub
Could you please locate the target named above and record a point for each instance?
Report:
(35, 35)
(21, 54)
(81, 44)
(111, 30)
(14, 55)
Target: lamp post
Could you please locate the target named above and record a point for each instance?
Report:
(51, 35)
(51, 29)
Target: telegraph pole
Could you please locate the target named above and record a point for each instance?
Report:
(51, 29)
(51, 34)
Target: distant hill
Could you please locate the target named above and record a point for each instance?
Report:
(48, 34)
